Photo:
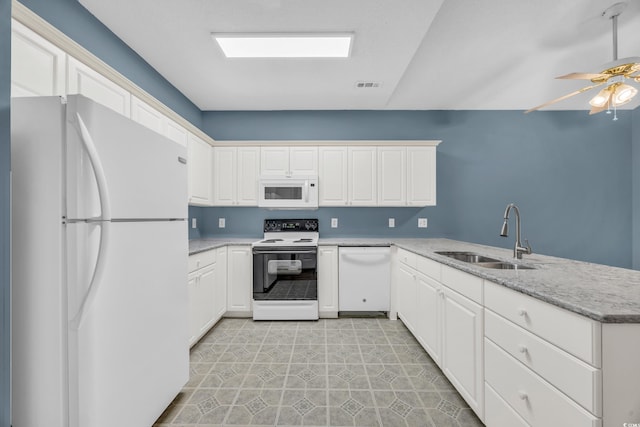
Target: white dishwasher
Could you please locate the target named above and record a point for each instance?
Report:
(364, 278)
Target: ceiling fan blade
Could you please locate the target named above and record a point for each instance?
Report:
(562, 98)
(583, 76)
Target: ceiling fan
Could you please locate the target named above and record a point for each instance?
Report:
(615, 77)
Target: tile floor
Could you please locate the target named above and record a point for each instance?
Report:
(333, 372)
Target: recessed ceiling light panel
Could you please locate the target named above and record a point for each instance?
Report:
(307, 45)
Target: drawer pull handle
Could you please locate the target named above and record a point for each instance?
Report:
(523, 349)
(522, 312)
(523, 395)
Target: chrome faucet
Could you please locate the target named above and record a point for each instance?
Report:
(518, 249)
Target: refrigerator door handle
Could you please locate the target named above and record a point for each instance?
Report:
(98, 170)
(105, 207)
(96, 277)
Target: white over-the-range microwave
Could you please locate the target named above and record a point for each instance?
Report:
(284, 192)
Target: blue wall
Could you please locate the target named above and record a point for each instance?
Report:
(570, 174)
(75, 21)
(5, 208)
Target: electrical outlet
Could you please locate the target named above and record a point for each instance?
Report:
(221, 222)
(392, 222)
(194, 223)
(422, 222)
(334, 222)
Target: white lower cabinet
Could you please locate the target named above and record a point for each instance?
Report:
(328, 281)
(429, 297)
(538, 402)
(406, 287)
(447, 324)
(239, 280)
(206, 290)
(462, 354)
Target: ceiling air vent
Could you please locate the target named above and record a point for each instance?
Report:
(368, 85)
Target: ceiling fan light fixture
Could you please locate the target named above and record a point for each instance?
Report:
(623, 94)
(601, 99)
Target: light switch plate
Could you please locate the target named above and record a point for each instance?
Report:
(194, 223)
(334, 222)
(422, 222)
(221, 222)
(392, 222)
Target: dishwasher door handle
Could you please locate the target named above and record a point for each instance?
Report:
(365, 258)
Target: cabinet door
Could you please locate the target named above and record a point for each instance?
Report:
(224, 172)
(199, 167)
(248, 169)
(328, 281)
(87, 82)
(392, 176)
(206, 302)
(274, 161)
(239, 280)
(429, 296)
(303, 160)
(220, 291)
(148, 116)
(406, 297)
(362, 176)
(37, 66)
(332, 176)
(177, 133)
(421, 176)
(462, 357)
(193, 307)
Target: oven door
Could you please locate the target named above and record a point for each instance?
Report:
(285, 274)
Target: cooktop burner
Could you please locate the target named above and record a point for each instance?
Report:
(289, 232)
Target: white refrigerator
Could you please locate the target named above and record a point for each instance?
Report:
(99, 267)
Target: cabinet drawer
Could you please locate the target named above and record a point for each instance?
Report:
(428, 267)
(464, 283)
(572, 376)
(498, 413)
(569, 331)
(535, 400)
(201, 259)
(407, 257)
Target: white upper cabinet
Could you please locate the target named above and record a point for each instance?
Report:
(177, 133)
(362, 178)
(148, 116)
(199, 167)
(392, 176)
(235, 176)
(37, 66)
(287, 161)
(88, 82)
(332, 176)
(421, 176)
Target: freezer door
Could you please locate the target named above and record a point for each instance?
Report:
(128, 344)
(117, 168)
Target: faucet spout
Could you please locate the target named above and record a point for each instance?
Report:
(518, 249)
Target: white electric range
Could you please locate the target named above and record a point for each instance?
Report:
(285, 283)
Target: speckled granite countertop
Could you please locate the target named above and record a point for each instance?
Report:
(206, 244)
(603, 293)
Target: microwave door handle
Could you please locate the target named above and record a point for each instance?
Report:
(306, 191)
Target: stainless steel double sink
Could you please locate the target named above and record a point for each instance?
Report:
(483, 261)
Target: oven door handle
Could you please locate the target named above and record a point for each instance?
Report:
(272, 252)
